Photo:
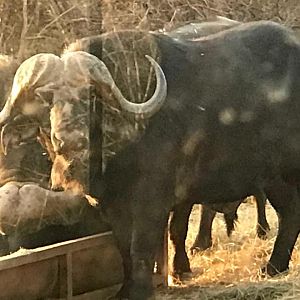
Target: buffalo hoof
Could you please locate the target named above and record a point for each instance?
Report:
(201, 245)
(271, 270)
(181, 265)
(181, 274)
(262, 231)
(181, 278)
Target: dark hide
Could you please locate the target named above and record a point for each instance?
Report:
(178, 232)
(229, 129)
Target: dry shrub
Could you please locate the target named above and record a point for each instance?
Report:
(31, 26)
(156, 14)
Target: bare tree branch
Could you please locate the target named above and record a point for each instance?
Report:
(24, 31)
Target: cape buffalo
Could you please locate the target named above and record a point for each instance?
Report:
(60, 95)
(180, 217)
(25, 166)
(19, 141)
(228, 128)
(31, 215)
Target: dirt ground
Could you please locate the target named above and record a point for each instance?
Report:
(230, 270)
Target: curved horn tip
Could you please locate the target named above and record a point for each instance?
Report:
(151, 59)
(225, 19)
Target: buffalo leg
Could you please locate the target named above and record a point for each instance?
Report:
(124, 249)
(120, 221)
(289, 225)
(283, 247)
(262, 223)
(203, 240)
(160, 253)
(178, 232)
(147, 232)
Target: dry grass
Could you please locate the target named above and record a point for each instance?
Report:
(28, 27)
(230, 270)
(155, 14)
(31, 26)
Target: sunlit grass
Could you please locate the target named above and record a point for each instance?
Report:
(231, 268)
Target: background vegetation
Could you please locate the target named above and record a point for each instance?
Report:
(31, 26)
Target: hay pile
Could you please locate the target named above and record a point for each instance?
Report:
(230, 269)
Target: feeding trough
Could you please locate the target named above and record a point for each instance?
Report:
(89, 266)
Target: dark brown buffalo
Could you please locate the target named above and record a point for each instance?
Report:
(222, 135)
(180, 217)
(25, 164)
(31, 214)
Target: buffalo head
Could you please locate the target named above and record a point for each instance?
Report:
(47, 84)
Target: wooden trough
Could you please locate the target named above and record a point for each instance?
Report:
(78, 269)
(85, 268)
